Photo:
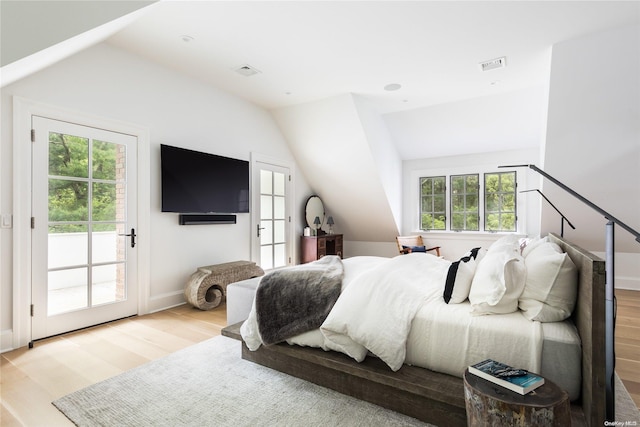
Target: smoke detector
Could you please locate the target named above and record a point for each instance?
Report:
(246, 70)
(493, 64)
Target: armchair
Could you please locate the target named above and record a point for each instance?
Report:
(406, 243)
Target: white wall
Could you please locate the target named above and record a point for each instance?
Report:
(331, 147)
(498, 122)
(593, 141)
(385, 155)
(107, 82)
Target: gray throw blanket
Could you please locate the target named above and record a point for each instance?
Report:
(297, 299)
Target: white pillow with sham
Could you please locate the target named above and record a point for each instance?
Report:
(534, 243)
(551, 286)
(508, 242)
(498, 282)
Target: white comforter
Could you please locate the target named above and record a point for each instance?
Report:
(374, 313)
(376, 310)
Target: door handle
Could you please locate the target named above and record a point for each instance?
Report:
(258, 229)
(133, 237)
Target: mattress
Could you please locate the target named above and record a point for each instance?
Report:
(446, 338)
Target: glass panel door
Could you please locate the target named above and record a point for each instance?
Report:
(273, 218)
(273, 242)
(83, 239)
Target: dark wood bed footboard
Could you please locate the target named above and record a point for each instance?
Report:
(426, 395)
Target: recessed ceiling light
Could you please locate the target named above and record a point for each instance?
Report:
(185, 38)
(392, 86)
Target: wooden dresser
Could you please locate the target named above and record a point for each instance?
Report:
(315, 247)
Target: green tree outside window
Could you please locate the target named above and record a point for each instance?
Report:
(70, 206)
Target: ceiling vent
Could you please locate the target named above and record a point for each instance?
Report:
(246, 70)
(493, 64)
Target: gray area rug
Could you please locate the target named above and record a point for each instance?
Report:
(626, 410)
(208, 384)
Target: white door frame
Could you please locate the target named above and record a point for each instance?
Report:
(23, 110)
(255, 201)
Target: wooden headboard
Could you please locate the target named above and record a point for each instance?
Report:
(589, 317)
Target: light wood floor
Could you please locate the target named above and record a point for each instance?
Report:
(31, 379)
(628, 341)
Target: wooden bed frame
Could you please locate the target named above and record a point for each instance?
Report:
(439, 398)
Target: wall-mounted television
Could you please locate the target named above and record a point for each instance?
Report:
(196, 182)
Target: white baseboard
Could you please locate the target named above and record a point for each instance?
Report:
(165, 301)
(630, 283)
(6, 341)
(627, 270)
(156, 303)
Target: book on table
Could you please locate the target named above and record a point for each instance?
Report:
(503, 375)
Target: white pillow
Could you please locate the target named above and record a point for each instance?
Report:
(498, 282)
(508, 242)
(551, 286)
(534, 243)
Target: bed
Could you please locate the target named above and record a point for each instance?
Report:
(424, 384)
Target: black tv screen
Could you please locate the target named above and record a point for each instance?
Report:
(195, 182)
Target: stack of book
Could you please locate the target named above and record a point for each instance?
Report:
(517, 380)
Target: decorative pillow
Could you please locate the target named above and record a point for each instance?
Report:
(459, 277)
(415, 248)
(474, 254)
(523, 242)
(551, 287)
(458, 283)
(498, 282)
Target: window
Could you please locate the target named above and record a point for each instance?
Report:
(500, 201)
(465, 194)
(432, 202)
(475, 204)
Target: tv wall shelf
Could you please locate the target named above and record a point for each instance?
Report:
(197, 219)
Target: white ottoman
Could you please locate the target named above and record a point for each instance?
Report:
(240, 297)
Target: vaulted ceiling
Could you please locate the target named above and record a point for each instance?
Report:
(305, 51)
(311, 50)
(406, 60)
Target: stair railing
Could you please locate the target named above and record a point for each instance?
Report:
(609, 286)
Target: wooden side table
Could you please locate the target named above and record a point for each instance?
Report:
(491, 405)
(315, 247)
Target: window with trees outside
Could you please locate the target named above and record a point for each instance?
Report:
(500, 201)
(464, 202)
(433, 203)
(475, 204)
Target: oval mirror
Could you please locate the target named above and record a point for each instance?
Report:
(314, 208)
